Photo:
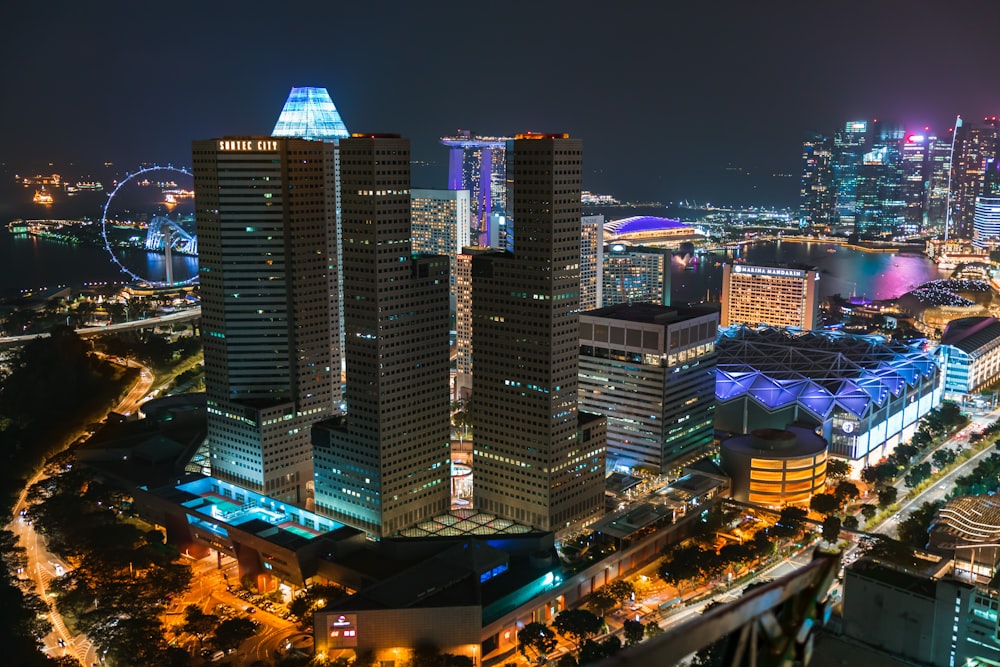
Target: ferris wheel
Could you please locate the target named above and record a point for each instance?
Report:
(152, 215)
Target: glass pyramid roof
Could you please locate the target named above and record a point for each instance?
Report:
(309, 113)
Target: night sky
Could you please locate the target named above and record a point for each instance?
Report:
(666, 95)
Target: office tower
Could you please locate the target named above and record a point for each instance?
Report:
(939, 174)
(635, 274)
(591, 261)
(440, 225)
(386, 465)
(309, 113)
(266, 227)
(463, 322)
(974, 147)
(986, 223)
(913, 158)
(849, 145)
(477, 164)
(650, 370)
(533, 462)
(879, 204)
(774, 296)
(816, 195)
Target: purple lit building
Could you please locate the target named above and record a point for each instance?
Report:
(477, 164)
(862, 393)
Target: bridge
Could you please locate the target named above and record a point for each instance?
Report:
(87, 332)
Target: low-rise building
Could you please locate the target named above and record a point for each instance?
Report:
(970, 355)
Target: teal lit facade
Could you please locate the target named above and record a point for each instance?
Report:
(309, 113)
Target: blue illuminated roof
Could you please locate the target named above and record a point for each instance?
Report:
(642, 223)
(818, 369)
(309, 113)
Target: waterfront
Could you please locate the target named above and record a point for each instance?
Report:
(843, 270)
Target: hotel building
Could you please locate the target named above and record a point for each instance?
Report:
(774, 296)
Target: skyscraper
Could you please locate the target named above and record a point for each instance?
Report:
(440, 225)
(477, 164)
(650, 370)
(816, 196)
(386, 465)
(591, 261)
(774, 296)
(636, 274)
(535, 462)
(879, 202)
(914, 158)
(265, 210)
(939, 175)
(849, 145)
(974, 146)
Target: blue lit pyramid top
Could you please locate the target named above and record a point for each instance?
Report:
(309, 113)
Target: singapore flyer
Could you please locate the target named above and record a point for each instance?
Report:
(148, 226)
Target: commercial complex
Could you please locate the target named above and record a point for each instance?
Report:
(773, 296)
(386, 465)
(535, 460)
(986, 223)
(650, 370)
(636, 274)
(863, 394)
(649, 230)
(969, 356)
(266, 217)
(775, 467)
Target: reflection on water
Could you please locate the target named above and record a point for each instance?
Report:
(843, 270)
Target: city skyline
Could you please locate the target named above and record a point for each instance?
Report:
(721, 95)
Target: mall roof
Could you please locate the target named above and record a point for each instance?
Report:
(642, 223)
(970, 334)
(817, 369)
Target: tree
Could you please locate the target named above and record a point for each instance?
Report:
(831, 529)
(790, 521)
(198, 623)
(233, 632)
(837, 468)
(943, 457)
(653, 629)
(914, 528)
(684, 563)
(868, 511)
(851, 522)
(846, 491)
(887, 496)
(633, 631)
(538, 637)
(590, 652)
(577, 624)
(824, 503)
(621, 589)
(602, 601)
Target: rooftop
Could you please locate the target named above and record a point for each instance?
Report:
(970, 334)
(643, 223)
(650, 313)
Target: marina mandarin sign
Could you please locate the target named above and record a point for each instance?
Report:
(769, 271)
(247, 145)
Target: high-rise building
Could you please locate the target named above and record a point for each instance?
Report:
(650, 370)
(849, 145)
(939, 175)
(974, 147)
(636, 274)
(463, 322)
(440, 225)
(816, 200)
(986, 223)
(914, 158)
(477, 164)
(879, 203)
(265, 210)
(386, 465)
(774, 296)
(536, 460)
(591, 261)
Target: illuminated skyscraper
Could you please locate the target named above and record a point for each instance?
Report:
(849, 145)
(816, 198)
(477, 164)
(974, 146)
(386, 465)
(265, 210)
(939, 174)
(774, 296)
(536, 459)
(440, 225)
(650, 370)
(591, 261)
(914, 155)
(879, 203)
(986, 223)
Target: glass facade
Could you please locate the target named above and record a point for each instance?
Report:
(309, 113)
